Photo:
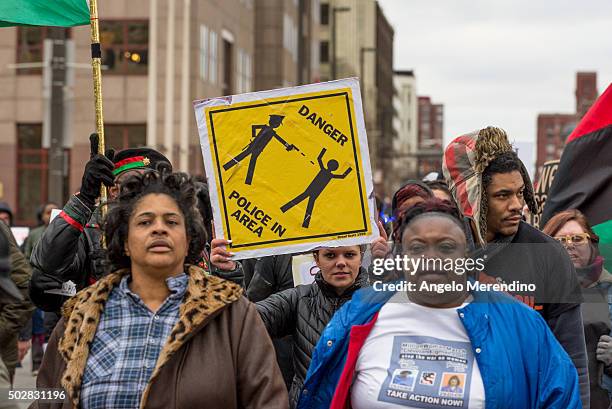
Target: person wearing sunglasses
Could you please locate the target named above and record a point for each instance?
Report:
(572, 229)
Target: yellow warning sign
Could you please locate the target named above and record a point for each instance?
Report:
(288, 170)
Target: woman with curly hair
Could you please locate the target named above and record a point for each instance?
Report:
(158, 332)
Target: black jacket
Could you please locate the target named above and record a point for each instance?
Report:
(267, 275)
(303, 312)
(533, 257)
(69, 249)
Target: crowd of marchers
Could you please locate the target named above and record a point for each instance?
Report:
(164, 317)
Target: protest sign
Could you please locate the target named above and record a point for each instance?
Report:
(288, 169)
(304, 269)
(20, 234)
(547, 176)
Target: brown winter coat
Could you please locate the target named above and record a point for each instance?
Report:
(218, 355)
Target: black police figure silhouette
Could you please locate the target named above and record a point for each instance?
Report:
(257, 145)
(316, 187)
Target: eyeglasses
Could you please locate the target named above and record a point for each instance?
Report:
(577, 239)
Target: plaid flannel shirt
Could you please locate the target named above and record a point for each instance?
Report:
(127, 344)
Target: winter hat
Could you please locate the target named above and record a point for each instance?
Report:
(465, 159)
(138, 158)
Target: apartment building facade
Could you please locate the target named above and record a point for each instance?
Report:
(430, 136)
(405, 124)
(286, 43)
(158, 56)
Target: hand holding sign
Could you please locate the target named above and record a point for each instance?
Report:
(380, 248)
(219, 256)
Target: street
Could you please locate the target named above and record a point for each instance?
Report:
(24, 378)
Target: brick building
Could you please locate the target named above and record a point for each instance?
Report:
(553, 129)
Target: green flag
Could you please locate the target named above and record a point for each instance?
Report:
(58, 13)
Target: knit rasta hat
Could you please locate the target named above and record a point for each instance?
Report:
(138, 158)
(465, 159)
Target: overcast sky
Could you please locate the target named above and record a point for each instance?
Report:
(501, 62)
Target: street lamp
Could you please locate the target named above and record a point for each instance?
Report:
(333, 62)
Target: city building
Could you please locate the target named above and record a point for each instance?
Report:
(356, 40)
(586, 92)
(308, 41)
(385, 92)
(553, 129)
(147, 89)
(430, 136)
(405, 125)
(286, 43)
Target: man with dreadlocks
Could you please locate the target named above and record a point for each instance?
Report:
(491, 185)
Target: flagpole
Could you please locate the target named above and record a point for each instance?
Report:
(96, 65)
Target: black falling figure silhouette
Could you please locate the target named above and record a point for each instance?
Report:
(316, 187)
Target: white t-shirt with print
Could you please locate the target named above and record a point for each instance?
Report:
(417, 357)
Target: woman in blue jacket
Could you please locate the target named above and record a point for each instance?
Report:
(438, 341)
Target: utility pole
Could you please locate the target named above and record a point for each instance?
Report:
(333, 37)
(56, 160)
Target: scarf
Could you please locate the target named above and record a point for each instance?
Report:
(590, 274)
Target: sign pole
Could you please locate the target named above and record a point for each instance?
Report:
(96, 64)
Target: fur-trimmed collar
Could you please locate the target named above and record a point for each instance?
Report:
(205, 296)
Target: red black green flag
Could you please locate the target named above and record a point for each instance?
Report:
(584, 177)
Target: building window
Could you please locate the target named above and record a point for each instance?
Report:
(203, 52)
(324, 52)
(30, 46)
(125, 46)
(228, 66)
(123, 136)
(213, 57)
(243, 71)
(32, 172)
(324, 14)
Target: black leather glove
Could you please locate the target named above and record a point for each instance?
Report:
(43, 282)
(98, 170)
